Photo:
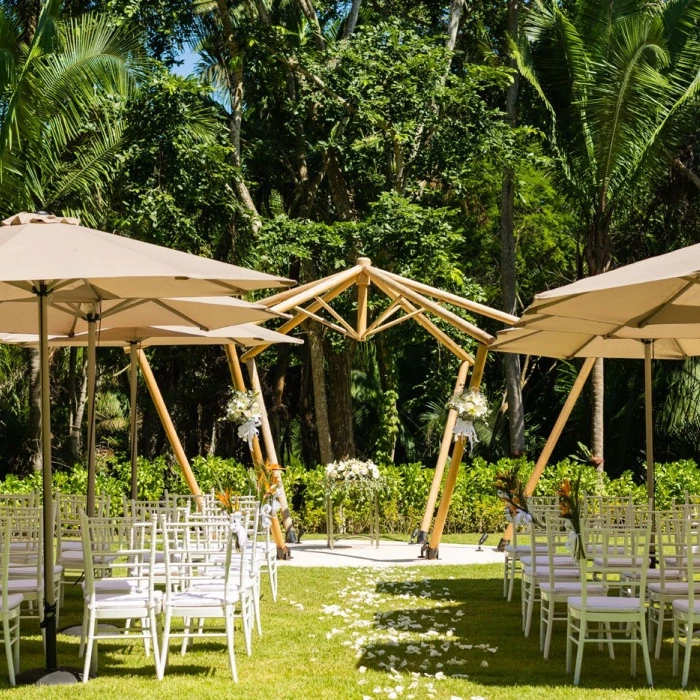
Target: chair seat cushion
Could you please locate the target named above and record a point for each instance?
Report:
(135, 601)
(681, 561)
(682, 606)
(71, 545)
(671, 587)
(607, 604)
(542, 573)
(14, 600)
(617, 562)
(571, 588)
(612, 549)
(30, 571)
(25, 585)
(524, 548)
(652, 574)
(209, 598)
(563, 561)
(119, 585)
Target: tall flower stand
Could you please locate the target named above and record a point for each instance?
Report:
(373, 528)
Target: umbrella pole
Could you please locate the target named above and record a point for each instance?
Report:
(133, 416)
(49, 622)
(648, 416)
(92, 342)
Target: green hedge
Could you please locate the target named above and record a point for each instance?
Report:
(475, 508)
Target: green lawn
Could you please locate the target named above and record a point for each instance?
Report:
(338, 633)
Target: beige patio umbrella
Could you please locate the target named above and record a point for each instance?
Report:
(53, 260)
(245, 334)
(649, 309)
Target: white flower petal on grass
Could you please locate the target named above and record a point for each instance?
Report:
(440, 676)
(484, 664)
(362, 669)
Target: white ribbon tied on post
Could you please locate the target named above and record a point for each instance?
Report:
(571, 541)
(269, 511)
(249, 430)
(465, 428)
(238, 530)
(522, 517)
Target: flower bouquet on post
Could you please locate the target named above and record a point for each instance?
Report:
(511, 491)
(470, 406)
(244, 410)
(267, 484)
(570, 510)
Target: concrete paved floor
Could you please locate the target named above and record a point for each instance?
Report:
(358, 552)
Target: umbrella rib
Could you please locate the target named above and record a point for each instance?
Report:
(183, 316)
(582, 347)
(648, 318)
(124, 305)
(232, 288)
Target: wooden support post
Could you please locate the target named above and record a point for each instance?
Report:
(362, 290)
(271, 451)
(649, 422)
(256, 453)
(431, 550)
(133, 394)
(554, 437)
(442, 458)
(92, 423)
(167, 422)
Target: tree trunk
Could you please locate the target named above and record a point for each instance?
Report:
(278, 414)
(351, 21)
(598, 252)
(34, 408)
(77, 391)
(516, 415)
(318, 376)
(340, 407)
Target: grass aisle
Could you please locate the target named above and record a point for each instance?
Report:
(418, 632)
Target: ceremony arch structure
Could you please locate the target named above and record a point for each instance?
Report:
(408, 299)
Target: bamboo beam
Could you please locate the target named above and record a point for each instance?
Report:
(350, 330)
(457, 452)
(285, 328)
(92, 423)
(455, 299)
(167, 422)
(363, 283)
(442, 457)
(387, 313)
(270, 449)
(390, 324)
(315, 290)
(451, 318)
(256, 453)
(325, 322)
(426, 323)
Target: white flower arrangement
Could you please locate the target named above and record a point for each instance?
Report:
(471, 405)
(243, 407)
(352, 470)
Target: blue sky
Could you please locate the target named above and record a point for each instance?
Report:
(189, 60)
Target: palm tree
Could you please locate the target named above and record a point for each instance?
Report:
(63, 85)
(620, 81)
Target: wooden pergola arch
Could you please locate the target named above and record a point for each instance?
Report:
(408, 300)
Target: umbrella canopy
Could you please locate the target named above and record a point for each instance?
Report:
(81, 264)
(55, 261)
(67, 319)
(569, 345)
(246, 334)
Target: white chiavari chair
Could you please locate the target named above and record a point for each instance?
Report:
(126, 556)
(621, 548)
(11, 603)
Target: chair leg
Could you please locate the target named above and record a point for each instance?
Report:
(506, 562)
(229, 640)
(16, 642)
(676, 645)
(660, 628)
(608, 634)
(569, 641)
(688, 651)
(511, 579)
(256, 607)
(146, 636)
(185, 639)
(645, 652)
(166, 640)
(89, 649)
(153, 628)
(530, 607)
(633, 650)
(8, 648)
(550, 629)
(583, 628)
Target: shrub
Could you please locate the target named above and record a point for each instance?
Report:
(475, 507)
